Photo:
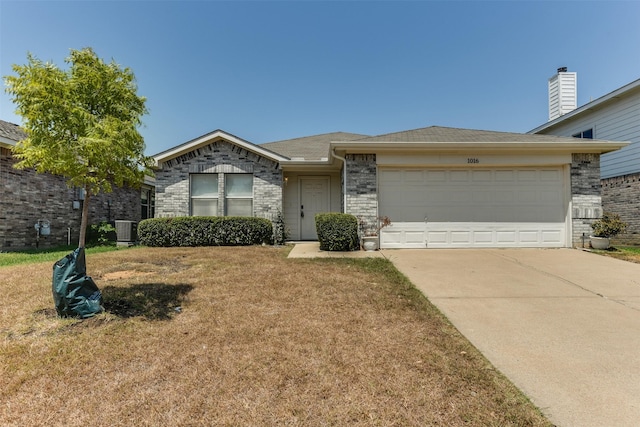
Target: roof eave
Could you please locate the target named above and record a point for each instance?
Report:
(7, 143)
(299, 162)
(580, 146)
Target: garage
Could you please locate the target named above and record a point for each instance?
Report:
(442, 207)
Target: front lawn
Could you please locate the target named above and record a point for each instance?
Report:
(626, 253)
(236, 336)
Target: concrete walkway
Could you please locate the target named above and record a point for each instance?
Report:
(562, 324)
(312, 250)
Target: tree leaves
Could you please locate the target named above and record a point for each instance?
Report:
(81, 123)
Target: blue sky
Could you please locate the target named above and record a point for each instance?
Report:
(272, 70)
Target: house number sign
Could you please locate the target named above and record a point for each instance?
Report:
(473, 160)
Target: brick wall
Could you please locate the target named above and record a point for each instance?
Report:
(585, 190)
(26, 197)
(362, 187)
(221, 157)
(621, 195)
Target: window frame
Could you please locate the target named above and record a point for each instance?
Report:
(214, 200)
(581, 134)
(148, 209)
(228, 198)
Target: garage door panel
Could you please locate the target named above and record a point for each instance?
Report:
(553, 236)
(550, 175)
(414, 176)
(481, 176)
(452, 234)
(504, 175)
(459, 176)
(529, 236)
(436, 175)
(458, 237)
(391, 176)
(551, 197)
(525, 176)
(437, 237)
(475, 207)
(483, 237)
(528, 196)
(506, 237)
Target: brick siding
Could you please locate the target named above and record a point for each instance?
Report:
(362, 187)
(221, 157)
(27, 197)
(621, 195)
(586, 200)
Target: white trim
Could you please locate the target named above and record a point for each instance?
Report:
(344, 178)
(7, 142)
(568, 216)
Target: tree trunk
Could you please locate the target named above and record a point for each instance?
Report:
(85, 218)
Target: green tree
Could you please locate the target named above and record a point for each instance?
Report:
(81, 123)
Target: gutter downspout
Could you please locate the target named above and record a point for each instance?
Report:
(344, 179)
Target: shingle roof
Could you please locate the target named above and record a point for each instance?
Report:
(11, 131)
(446, 134)
(313, 147)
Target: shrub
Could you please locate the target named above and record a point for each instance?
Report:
(101, 234)
(205, 231)
(337, 232)
(280, 231)
(610, 225)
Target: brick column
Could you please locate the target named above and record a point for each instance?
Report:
(586, 200)
(362, 186)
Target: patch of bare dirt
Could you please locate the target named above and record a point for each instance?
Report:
(126, 274)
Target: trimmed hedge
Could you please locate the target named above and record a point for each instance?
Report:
(337, 232)
(205, 231)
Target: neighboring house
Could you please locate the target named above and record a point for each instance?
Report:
(28, 198)
(441, 187)
(614, 116)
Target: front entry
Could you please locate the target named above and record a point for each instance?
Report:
(314, 199)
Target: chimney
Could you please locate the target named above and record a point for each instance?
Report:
(563, 93)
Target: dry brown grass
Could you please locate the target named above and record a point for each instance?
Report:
(242, 336)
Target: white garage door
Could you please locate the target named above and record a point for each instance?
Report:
(443, 208)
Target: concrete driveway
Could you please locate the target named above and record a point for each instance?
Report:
(562, 324)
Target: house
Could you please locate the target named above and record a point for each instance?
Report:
(614, 116)
(442, 187)
(28, 199)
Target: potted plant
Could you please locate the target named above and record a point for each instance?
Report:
(370, 229)
(610, 225)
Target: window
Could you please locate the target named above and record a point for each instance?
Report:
(586, 134)
(204, 194)
(238, 194)
(148, 203)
